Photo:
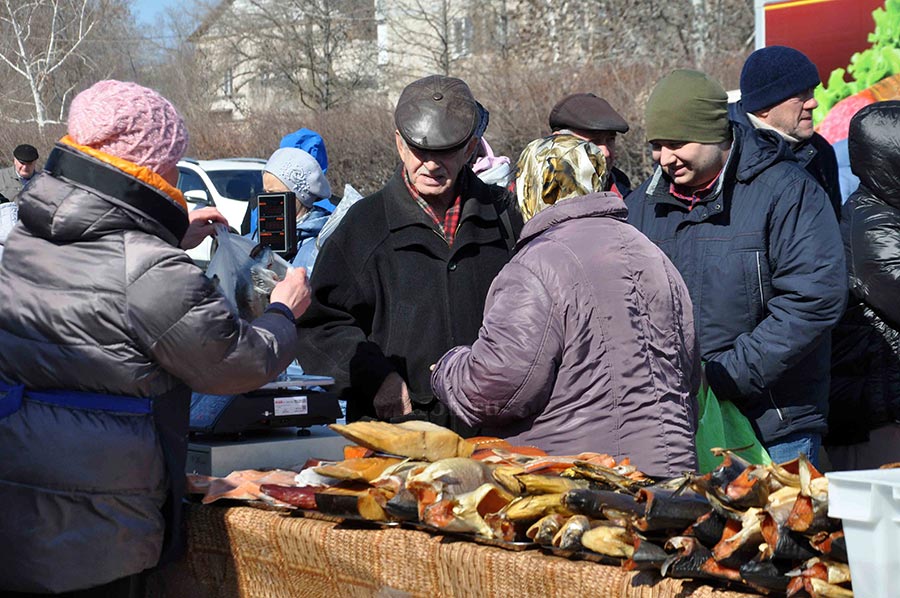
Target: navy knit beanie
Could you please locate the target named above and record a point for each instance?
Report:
(774, 74)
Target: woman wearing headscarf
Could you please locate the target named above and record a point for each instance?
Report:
(588, 336)
(106, 326)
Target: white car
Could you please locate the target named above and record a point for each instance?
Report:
(227, 184)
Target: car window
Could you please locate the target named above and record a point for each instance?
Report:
(237, 184)
(189, 181)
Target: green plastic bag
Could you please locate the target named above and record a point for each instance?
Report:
(722, 425)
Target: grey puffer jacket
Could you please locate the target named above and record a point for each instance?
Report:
(587, 344)
(97, 297)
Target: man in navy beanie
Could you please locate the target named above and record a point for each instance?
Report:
(777, 85)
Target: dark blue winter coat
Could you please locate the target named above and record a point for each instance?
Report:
(763, 261)
(815, 155)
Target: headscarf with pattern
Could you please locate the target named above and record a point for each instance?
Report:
(555, 168)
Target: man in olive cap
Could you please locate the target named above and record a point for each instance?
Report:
(758, 246)
(777, 84)
(16, 177)
(404, 277)
(590, 117)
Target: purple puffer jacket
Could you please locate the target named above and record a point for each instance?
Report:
(587, 344)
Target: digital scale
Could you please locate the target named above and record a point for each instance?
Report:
(280, 425)
(276, 221)
(297, 401)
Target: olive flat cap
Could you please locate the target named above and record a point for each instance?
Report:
(437, 113)
(586, 112)
(25, 153)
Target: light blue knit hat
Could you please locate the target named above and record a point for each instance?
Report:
(300, 172)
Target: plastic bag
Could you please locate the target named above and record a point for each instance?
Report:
(351, 196)
(722, 425)
(245, 272)
(9, 215)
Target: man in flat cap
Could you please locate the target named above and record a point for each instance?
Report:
(16, 177)
(756, 241)
(777, 100)
(590, 117)
(404, 277)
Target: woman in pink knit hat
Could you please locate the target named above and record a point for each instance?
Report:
(105, 329)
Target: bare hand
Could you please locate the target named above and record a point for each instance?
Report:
(201, 225)
(392, 398)
(293, 291)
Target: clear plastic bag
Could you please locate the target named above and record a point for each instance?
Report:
(351, 196)
(245, 272)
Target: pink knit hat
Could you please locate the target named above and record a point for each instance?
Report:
(130, 122)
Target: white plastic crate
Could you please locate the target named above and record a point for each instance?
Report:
(868, 504)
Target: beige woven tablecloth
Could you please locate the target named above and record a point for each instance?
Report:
(252, 553)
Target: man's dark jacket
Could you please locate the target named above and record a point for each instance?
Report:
(762, 259)
(620, 179)
(389, 294)
(815, 155)
(865, 391)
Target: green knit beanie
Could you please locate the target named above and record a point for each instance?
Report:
(688, 106)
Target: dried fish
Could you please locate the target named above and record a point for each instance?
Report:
(354, 501)
(414, 439)
(359, 470)
(245, 272)
(708, 528)
(301, 497)
(596, 503)
(625, 479)
(547, 484)
(609, 540)
(765, 574)
(688, 559)
(531, 508)
(668, 509)
(507, 476)
(748, 489)
(832, 545)
(446, 479)
(736, 548)
(570, 533)
(646, 555)
(810, 511)
(465, 512)
(820, 578)
(545, 528)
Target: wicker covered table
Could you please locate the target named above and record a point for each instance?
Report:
(247, 552)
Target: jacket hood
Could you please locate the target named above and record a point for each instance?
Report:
(312, 222)
(64, 202)
(874, 144)
(594, 205)
(759, 149)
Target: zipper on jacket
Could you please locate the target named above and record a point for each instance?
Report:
(762, 301)
(775, 405)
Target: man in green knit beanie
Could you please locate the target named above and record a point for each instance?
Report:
(756, 241)
(686, 122)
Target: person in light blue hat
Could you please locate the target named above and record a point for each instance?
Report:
(293, 170)
(310, 142)
(313, 144)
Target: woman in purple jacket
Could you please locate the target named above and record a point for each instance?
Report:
(588, 336)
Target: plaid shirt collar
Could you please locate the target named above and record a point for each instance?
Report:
(450, 223)
(693, 197)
